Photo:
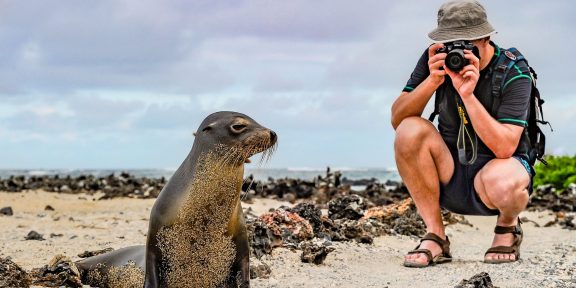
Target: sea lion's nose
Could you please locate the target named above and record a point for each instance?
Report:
(273, 136)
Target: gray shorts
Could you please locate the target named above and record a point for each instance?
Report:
(459, 195)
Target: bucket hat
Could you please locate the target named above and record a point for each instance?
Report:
(461, 20)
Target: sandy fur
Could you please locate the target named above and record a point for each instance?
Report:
(198, 247)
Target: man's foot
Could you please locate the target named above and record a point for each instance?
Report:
(421, 258)
(501, 240)
(432, 249)
(506, 245)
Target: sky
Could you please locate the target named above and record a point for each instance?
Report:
(123, 84)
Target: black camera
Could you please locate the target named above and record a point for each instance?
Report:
(455, 60)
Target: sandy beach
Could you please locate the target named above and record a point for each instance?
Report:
(79, 223)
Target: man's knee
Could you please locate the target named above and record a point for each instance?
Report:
(411, 134)
(502, 190)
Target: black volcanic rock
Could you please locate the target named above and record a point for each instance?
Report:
(7, 211)
(480, 280)
(11, 275)
(348, 207)
(33, 235)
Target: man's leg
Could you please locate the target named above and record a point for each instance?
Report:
(423, 161)
(502, 184)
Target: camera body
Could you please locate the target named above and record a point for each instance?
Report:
(455, 60)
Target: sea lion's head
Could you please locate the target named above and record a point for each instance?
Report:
(236, 135)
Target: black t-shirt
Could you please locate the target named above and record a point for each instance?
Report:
(513, 108)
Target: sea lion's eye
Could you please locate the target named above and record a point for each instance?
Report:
(207, 128)
(238, 128)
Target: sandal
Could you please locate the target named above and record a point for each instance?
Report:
(440, 258)
(513, 250)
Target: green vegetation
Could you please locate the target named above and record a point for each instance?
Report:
(560, 172)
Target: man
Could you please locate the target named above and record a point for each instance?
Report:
(498, 182)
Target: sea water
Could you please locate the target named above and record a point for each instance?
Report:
(259, 174)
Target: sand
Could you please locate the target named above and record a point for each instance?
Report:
(548, 254)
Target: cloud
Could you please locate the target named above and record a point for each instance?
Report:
(81, 113)
(127, 77)
(168, 117)
(317, 21)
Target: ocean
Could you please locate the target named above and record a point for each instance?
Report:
(262, 174)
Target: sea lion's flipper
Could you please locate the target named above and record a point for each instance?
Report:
(153, 257)
(132, 257)
(240, 271)
(116, 258)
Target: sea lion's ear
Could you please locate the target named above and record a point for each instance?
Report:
(194, 134)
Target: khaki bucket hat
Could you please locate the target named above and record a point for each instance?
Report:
(461, 20)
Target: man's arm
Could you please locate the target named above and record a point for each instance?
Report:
(501, 139)
(413, 103)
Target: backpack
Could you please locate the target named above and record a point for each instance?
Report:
(536, 116)
(536, 137)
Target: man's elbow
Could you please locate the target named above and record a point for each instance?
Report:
(504, 152)
(394, 122)
(394, 117)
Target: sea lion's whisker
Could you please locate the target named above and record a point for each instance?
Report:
(247, 190)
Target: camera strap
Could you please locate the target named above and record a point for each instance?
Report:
(464, 136)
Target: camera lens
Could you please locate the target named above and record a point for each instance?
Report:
(455, 60)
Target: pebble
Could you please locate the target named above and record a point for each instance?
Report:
(33, 235)
(7, 211)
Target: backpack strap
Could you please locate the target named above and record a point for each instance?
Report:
(436, 107)
(537, 137)
(504, 64)
(439, 97)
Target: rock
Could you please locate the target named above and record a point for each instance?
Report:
(480, 280)
(87, 254)
(123, 185)
(7, 211)
(288, 226)
(11, 275)
(546, 197)
(348, 207)
(572, 188)
(311, 213)
(358, 182)
(260, 237)
(450, 218)
(60, 271)
(33, 235)
(401, 218)
(314, 252)
(259, 269)
(365, 239)
(351, 229)
(565, 220)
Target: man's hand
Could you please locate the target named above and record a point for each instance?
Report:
(435, 63)
(465, 81)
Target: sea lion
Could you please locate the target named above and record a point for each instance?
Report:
(197, 236)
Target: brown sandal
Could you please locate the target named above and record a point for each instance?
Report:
(513, 250)
(440, 258)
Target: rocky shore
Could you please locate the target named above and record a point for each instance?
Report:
(111, 186)
(313, 217)
(319, 190)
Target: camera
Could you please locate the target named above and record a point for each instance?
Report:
(455, 60)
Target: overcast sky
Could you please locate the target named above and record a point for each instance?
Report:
(123, 84)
